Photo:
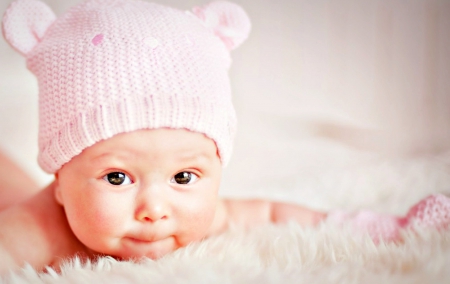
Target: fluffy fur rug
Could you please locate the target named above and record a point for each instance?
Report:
(273, 254)
(291, 254)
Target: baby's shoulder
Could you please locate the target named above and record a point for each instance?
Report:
(36, 232)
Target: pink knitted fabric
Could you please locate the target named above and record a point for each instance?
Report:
(377, 226)
(431, 212)
(111, 66)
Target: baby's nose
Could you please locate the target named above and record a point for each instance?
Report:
(152, 214)
(152, 206)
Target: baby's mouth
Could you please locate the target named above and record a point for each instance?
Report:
(152, 248)
(135, 240)
(149, 241)
(139, 240)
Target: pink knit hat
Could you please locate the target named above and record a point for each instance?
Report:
(111, 66)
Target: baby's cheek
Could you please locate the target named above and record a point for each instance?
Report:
(199, 220)
(100, 216)
(108, 214)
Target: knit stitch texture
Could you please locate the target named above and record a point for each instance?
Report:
(431, 212)
(112, 66)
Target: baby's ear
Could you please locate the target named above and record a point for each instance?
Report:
(57, 190)
(227, 20)
(25, 23)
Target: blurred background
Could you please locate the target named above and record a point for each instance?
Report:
(319, 86)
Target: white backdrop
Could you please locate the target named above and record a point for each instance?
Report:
(320, 86)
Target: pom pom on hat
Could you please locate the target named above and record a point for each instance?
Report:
(111, 66)
(227, 20)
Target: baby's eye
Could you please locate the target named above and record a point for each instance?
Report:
(117, 178)
(184, 178)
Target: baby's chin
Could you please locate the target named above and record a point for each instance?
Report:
(130, 248)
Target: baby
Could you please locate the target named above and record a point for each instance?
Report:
(136, 122)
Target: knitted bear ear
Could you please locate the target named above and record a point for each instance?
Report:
(25, 23)
(227, 20)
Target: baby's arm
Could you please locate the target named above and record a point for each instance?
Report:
(248, 213)
(16, 185)
(34, 232)
(430, 212)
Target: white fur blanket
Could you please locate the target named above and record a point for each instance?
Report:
(273, 254)
(291, 254)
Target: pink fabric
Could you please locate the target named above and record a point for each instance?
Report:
(432, 212)
(219, 22)
(111, 66)
(25, 23)
(377, 226)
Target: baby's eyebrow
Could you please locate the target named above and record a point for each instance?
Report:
(197, 156)
(109, 155)
(101, 156)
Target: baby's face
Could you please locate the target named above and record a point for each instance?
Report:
(143, 193)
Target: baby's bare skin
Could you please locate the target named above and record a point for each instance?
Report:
(86, 211)
(16, 185)
(36, 231)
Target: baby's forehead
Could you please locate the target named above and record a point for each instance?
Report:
(164, 142)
